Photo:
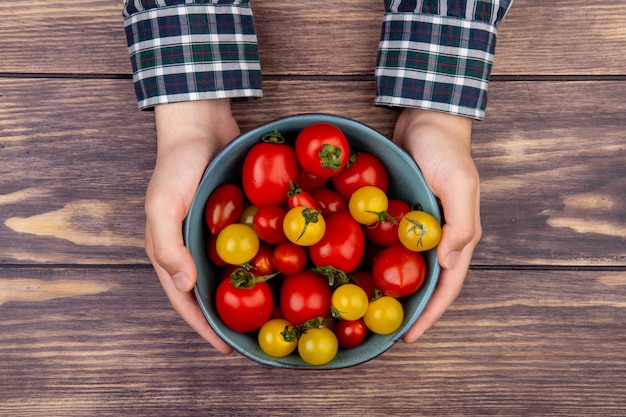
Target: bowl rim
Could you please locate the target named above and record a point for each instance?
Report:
(301, 120)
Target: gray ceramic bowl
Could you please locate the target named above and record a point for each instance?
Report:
(405, 182)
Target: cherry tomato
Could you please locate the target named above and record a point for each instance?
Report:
(363, 169)
(268, 169)
(350, 334)
(349, 302)
(304, 226)
(310, 182)
(223, 207)
(384, 315)
(322, 149)
(297, 197)
(419, 231)
(329, 201)
(244, 309)
(385, 233)
(341, 246)
(289, 258)
(368, 205)
(261, 263)
(268, 224)
(304, 296)
(272, 341)
(399, 271)
(237, 244)
(318, 346)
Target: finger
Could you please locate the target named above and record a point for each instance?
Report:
(185, 304)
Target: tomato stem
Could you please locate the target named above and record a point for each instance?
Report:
(330, 157)
(419, 229)
(383, 216)
(291, 332)
(242, 278)
(336, 277)
(294, 189)
(310, 216)
(274, 137)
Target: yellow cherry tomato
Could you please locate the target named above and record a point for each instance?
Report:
(384, 315)
(272, 341)
(349, 302)
(368, 205)
(237, 244)
(419, 231)
(318, 346)
(304, 226)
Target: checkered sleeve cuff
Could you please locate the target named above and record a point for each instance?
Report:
(435, 62)
(186, 52)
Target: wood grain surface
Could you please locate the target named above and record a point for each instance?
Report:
(514, 343)
(538, 330)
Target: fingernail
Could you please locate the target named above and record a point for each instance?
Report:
(451, 260)
(181, 281)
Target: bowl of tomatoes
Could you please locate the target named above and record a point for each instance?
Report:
(314, 238)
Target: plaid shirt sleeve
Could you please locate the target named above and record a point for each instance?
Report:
(183, 50)
(438, 54)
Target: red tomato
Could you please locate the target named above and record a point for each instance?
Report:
(304, 296)
(364, 279)
(365, 169)
(297, 197)
(398, 271)
(386, 233)
(322, 149)
(310, 182)
(341, 246)
(223, 207)
(289, 258)
(350, 333)
(262, 263)
(268, 224)
(268, 170)
(244, 309)
(329, 201)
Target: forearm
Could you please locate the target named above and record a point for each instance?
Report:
(183, 52)
(438, 58)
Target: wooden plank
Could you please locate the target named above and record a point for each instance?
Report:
(551, 158)
(105, 342)
(562, 38)
(315, 37)
(77, 157)
(65, 36)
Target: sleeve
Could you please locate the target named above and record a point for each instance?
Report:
(183, 50)
(438, 54)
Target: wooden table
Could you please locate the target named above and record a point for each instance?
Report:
(539, 329)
